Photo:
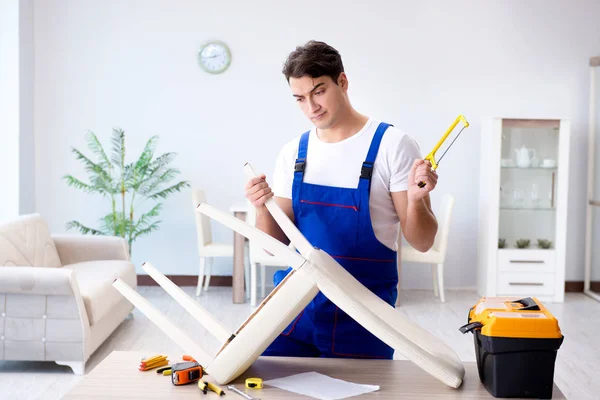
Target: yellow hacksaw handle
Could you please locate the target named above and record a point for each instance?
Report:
(431, 156)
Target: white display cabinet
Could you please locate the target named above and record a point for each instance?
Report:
(524, 181)
(592, 237)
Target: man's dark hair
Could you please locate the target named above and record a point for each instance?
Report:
(314, 59)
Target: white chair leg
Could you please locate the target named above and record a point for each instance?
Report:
(435, 280)
(209, 264)
(263, 277)
(253, 284)
(440, 273)
(201, 275)
(247, 282)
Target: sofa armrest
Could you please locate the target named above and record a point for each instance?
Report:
(46, 307)
(80, 248)
(38, 280)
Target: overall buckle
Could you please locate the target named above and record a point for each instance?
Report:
(366, 171)
(300, 165)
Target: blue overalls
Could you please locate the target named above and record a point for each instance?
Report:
(337, 220)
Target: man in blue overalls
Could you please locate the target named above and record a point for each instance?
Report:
(350, 184)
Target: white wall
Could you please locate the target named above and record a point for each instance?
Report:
(415, 64)
(26, 87)
(9, 110)
(16, 109)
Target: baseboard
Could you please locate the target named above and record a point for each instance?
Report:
(226, 280)
(577, 286)
(574, 286)
(186, 280)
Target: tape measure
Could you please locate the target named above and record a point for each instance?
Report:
(186, 372)
(254, 383)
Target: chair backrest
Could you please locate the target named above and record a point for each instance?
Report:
(203, 227)
(444, 217)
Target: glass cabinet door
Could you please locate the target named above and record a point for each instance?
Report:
(592, 275)
(528, 184)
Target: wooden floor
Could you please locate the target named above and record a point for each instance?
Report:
(577, 367)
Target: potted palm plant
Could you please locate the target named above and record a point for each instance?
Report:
(127, 185)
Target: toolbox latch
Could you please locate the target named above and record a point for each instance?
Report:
(528, 304)
(469, 327)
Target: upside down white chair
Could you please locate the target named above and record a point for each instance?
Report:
(207, 249)
(313, 271)
(259, 257)
(436, 256)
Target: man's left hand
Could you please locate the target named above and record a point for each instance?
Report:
(421, 172)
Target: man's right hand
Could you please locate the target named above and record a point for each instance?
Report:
(258, 191)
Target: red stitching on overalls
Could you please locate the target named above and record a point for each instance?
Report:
(329, 204)
(293, 326)
(343, 354)
(362, 259)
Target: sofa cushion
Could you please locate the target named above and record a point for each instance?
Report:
(26, 241)
(95, 279)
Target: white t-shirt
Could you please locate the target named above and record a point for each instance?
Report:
(339, 164)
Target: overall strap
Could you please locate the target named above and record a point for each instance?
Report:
(300, 164)
(367, 167)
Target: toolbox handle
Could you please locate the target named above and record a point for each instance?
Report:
(469, 327)
(529, 304)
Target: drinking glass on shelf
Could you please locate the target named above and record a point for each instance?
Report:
(505, 195)
(535, 196)
(518, 198)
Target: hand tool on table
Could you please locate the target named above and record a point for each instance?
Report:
(254, 383)
(215, 388)
(238, 391)
(202, 385)
(168, 369)
(186, 372)
(156, 361)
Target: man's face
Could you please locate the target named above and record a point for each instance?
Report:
(320, 99)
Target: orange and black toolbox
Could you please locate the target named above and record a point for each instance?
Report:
(516, 343)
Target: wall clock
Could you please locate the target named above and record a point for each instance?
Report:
(214, 57)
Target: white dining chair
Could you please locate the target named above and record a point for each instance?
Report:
(207, 249)
(436, 256)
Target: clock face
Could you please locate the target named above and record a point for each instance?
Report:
(214, 57)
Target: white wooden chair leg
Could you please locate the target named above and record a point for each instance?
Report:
(209, 264)
(440, 274)
(263, 277)
(253, 284)
(201, 273)
(247, 268)
(435, 280)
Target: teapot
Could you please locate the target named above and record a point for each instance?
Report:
(523, 158)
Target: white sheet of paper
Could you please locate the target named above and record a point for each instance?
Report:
(320, 386)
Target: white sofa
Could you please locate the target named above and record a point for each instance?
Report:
(57, 302)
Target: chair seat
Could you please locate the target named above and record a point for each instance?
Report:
(409, 254)
(217, 250)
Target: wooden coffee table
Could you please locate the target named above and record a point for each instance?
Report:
(117, 376)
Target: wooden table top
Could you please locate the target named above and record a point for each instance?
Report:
(117, 376)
